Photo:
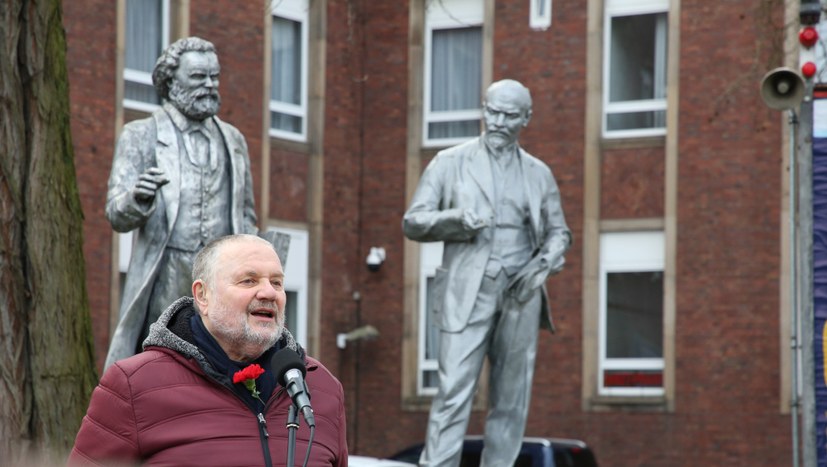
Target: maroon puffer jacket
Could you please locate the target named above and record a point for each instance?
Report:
(160, 408)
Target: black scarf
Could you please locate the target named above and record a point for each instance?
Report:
(208, 346)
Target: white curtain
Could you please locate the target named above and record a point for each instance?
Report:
(144, 43)
(457, 69)
(286, 60)
(286, 71)
(456, 74)
(144, 23)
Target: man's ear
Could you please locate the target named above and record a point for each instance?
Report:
(199, 293)
(527, 118)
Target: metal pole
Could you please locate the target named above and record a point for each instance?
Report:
(793, 121)
(805, 275)
(809, 14)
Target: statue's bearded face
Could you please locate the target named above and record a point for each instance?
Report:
(194, 87)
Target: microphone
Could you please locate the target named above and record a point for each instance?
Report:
(290, 371)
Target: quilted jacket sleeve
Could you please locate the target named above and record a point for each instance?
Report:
(108, 433)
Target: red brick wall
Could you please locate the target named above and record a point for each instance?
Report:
(344, 150)
(90, 34)
(289, 184)
(380, 90)
(237, 32)
(632, 183)
(729, 182)
(730, 177)
(728, 219)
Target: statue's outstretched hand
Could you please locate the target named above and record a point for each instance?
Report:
(148, 184)
(471, 222)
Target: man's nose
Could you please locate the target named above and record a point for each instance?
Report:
(267, 291)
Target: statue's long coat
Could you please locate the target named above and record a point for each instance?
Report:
(460, 178)
(154, 142)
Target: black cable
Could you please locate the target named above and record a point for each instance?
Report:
(309, 445)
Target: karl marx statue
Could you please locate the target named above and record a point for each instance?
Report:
(180, 178)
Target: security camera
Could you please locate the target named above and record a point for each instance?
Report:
(375, 258)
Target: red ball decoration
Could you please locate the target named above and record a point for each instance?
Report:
(808, 36)
(808, 69)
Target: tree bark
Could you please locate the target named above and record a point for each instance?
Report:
(47, 367)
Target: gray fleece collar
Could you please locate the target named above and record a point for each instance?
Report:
(178, 336)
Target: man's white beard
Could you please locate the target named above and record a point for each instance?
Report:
(240, 331)
(191, 104)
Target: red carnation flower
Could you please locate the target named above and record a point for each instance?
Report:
(250, 372)
(248, 376)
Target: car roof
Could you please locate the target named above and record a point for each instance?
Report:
(367, 461)
(560, 442)
(474, 443)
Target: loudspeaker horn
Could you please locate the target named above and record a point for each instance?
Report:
(782, 88)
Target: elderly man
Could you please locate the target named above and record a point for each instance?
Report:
(497, 209)
(203, 391)
(180, 178)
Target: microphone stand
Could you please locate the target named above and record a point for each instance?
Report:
(292, 426)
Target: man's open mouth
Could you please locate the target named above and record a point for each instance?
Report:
(264, 313)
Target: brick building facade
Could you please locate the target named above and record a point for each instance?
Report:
(691, 177)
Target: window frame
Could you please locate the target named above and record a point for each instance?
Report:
(462, 14)
(430, 258)
(630, 251)
(297, 278)
(618, 8)
(124, 250)
(143, 77)
(297, 11)
(540, 14)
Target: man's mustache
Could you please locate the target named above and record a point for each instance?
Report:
(208, 93)
(260, 304)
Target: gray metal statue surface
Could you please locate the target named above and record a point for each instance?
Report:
(180, 178)
(497, 209)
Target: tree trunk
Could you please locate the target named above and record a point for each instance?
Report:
(47, 368)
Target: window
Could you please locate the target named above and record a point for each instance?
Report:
(288, 85)
(634, 90)
(296, 282)
(428, 378)
(540, 14)
(147, 34)
(125, 240)
(631, 314)
(453, 71)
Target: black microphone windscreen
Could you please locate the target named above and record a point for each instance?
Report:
(285, 360)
